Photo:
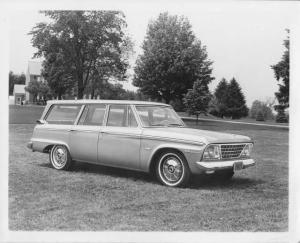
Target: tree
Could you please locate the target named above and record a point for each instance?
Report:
(218, 107)
(40, 89)
(172, 60)
(260, 116)
(235, 101)
(33, 88)
(15, 79)
(282, 75)
(54, 72)
(196, 100)
(263, 107)
(81, 45)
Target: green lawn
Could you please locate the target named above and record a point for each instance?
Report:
(92, 197)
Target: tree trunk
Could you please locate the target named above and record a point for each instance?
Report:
(80, 86)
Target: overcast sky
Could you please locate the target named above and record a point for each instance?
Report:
(242, 39)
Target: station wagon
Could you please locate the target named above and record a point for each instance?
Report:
(136, 135)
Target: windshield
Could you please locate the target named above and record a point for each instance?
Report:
(158, 116)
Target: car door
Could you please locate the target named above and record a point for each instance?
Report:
(84, 136)
(119, 144)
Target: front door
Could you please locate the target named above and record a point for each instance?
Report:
(119, 144)
(84, 136)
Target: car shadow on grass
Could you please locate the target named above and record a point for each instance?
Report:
(196, 182)
(214, 182)
(79, 167)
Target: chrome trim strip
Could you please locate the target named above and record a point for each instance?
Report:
(172, 140)
(224, 164)
(131, 135)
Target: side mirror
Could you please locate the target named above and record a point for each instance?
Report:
(41, 122)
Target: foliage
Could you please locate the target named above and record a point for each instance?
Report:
(218, 102)
(81, 48)
(235, 101)
(196, 100)
(229, 100)
(172, 60)
(282, 75)
(281, 117)
(15, 79)
(260, 116)
(115, 92)
(40, 89)
(263, 107)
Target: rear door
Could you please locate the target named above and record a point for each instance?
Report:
(84, 136)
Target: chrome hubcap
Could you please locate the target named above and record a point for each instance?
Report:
(172, 169)
(59, 156)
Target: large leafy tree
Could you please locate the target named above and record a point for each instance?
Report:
(172, 60)
(79, 46)
(235, 101)
(15, 79)
(282, 75)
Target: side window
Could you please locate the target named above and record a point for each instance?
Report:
(63, 114)
(117, 116)
(93, 115)
(131, 119)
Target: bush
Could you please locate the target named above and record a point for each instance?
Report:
(281, 117)
(260, 116)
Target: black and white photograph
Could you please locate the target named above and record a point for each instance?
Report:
(150, 121)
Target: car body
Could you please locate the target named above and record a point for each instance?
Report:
(136, 135)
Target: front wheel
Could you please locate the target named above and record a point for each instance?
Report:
(60, 157)
(172, 169)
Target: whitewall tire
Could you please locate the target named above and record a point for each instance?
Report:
(172, 169)
(60, 158)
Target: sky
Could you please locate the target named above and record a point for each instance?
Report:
(243, 39)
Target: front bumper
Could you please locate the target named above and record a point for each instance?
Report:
(222, 165)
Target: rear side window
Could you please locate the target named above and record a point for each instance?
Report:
(63, 114)
(117, 116)
(93, 115)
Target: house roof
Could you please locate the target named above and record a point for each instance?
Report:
(19, 88)
(34, 68)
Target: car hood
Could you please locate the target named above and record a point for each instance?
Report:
(194, 135)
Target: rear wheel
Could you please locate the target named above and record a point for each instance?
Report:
(172, 169)
(60, 157)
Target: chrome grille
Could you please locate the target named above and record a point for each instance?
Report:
(231, 151)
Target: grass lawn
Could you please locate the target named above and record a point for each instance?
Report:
(92, 197)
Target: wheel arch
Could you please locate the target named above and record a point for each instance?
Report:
(47, 148)
(158, 152)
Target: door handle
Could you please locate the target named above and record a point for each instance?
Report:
(71, 130)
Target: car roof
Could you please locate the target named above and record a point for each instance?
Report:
(127, 102)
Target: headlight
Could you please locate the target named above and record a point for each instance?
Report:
(212, 152)
(247, 150)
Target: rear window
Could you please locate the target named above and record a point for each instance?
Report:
(63, 114)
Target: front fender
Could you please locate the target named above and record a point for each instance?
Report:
(191, 152)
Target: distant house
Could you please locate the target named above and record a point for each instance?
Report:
(19, 94)
(33, 72)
